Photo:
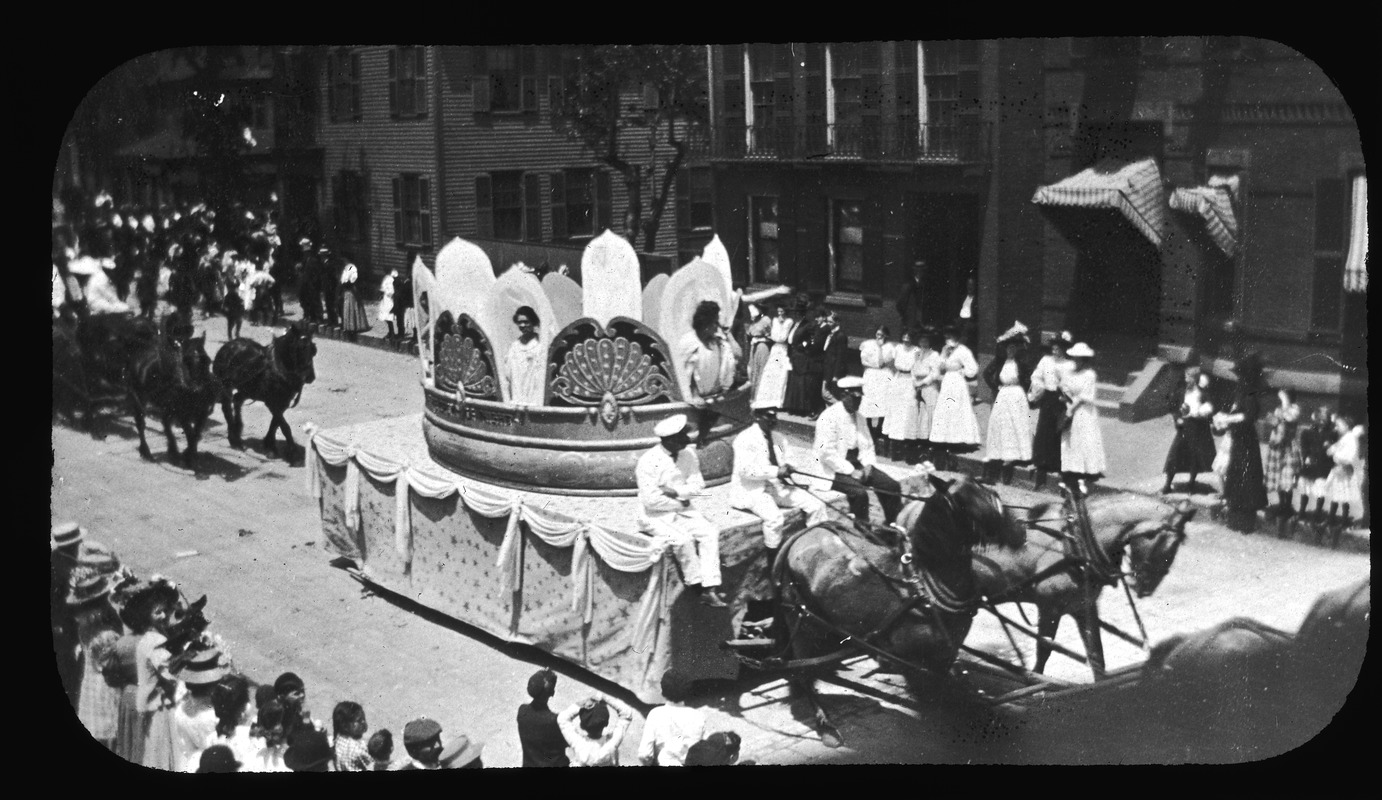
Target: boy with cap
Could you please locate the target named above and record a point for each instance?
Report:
(760, 467)
(218, 758)
(672, 728)
(538, 732)
(669, 475)
(846, 459)
(422, 740)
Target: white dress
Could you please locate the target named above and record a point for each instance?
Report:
(953, 421)
(772, 382)
(386, 302)
(878, 377)
(902, 420)
(1082, 444)
(525, 372)
(926, 375)
(1010, 426)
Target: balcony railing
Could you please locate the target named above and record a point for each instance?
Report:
(962, 143)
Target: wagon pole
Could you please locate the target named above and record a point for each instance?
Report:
(1135, 615)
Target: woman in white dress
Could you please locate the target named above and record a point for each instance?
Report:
(772, 383)
(876, 356)
(526, 362)
(1009, 439)
(954, 428)
(1082, 442)
(902, 416)
(386, 290)
(926, 377)
(760, 344)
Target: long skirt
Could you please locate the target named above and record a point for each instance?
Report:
(1192, 451)
(1082, 444)
(1010, 427)
(902, 415)
(877, 387)
(803, 394)
(1046, 440)
(953, 422)
(1245, 487)
(129, 726)
(353, 317)
(98, 704)
(160, 749)
(758, 358)
(772, 382)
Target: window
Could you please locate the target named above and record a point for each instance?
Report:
(951, 87)
(735, 133)
(407, 82)
(508, 205)
(505, 79)
(846, 246)
(580, 203)
(343, 86)
(695, 204)
(1332, 213)
(763, 250)
(348, 198)
(906, 94)
(846, 91)
(412, 211)
(564, 67)
(816, 116)
(762, 96)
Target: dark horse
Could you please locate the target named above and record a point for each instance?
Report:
(915, 602)
(174, 378)
(273, 375)
(1053, 570)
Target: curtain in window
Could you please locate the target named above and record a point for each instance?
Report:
(1356, 266)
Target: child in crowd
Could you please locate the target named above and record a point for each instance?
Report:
(671, 729)
(349, 725)
(271, 742)
(1345, 478)
(234, 721)
(1315, 465)
(292, 695)
(719, 749)
(381, 749)
(234, 307)
(1283, 456)
(585, 727)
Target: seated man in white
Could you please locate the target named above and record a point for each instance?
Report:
(760, 466)
(669, 475)
(845, 456)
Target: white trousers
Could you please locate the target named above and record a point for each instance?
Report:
(693, 540)
(767, 505)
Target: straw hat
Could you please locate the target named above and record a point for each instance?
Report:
(460, 752)
(66, 533)
(1017, 331)
(90, 589)
(202, 667)
(1080, 350)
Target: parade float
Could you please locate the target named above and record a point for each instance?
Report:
(522, 520)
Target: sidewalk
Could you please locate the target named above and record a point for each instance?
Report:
(1135, 450)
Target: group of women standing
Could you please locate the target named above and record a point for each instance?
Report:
(787, 360)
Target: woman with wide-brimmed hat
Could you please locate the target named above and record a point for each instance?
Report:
(199, 669)
(1009, 439)
(98, 629)
(140, 665)
(1045, 395)
(1082, 441)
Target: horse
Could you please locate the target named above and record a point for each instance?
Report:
(915, 603)
(272, 374)
(175, 379)
(1052, 572)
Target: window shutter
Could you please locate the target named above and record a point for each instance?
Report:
(532, 201)
(425, 209)
(484, 207)
(604, 216)
(558, 206)
(479, 93)
(683, 200)
(398, 212)
(333, 68)
(336, 210)
(393, 83)
(356, 108)
(420, 84)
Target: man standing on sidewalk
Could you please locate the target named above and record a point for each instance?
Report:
(309, 280)
(329, 276)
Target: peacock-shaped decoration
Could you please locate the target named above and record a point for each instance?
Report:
(624, 364)
(463, 358)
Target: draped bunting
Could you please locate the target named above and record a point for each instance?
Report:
(620, 550)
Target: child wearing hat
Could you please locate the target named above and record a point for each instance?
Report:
(98, 629)
(538, 732)
(422, 741)
(194, 719)
(672, 728)
(585, 726)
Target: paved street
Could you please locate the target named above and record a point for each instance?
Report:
(246, 533)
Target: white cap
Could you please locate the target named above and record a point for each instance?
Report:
(1080, 350)
(850, 382)
(671, 426)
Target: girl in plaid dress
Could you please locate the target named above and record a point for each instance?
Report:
(1283, 455)
(349, 726)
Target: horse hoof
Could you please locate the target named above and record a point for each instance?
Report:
(146, 455)
(831, 738)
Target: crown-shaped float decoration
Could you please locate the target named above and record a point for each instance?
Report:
(464, 358)
(610, 367)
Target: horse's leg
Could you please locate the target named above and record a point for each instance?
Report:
(1048, 622)
(229, 412)
(192, 429)
(137, 409)
(1088, 622)
(168, 432)
(270, 445)
(239, 420)
(288, 442)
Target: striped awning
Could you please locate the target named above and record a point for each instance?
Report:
(1215, 205)
(1356, 266)
(1135, 190)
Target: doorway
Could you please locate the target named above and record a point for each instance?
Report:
(1117, 283)
(945, 233)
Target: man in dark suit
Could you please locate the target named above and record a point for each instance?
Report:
(834, 356)
(309, 280)
(909, 300)
(330, 272)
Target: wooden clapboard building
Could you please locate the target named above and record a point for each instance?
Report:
(426, 143)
